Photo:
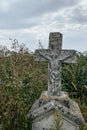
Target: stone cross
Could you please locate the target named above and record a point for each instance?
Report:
(55, 57)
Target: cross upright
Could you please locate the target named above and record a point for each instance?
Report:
(55, 57)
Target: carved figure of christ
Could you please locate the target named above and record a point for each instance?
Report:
(55, 56)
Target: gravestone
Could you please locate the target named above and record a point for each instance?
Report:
(42, 112)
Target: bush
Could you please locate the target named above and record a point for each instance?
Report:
(22, 80)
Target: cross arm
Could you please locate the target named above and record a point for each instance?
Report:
(42, 55)
(68, 56)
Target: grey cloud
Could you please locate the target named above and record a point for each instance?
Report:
(78, 15)
(32, 8)
(21, 11)
(18, 23)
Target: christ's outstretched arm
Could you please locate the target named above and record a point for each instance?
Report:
(68, 56)
(44, 55)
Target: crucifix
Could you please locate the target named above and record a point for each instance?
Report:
(55, 57)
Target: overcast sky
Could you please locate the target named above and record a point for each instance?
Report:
(33, 20)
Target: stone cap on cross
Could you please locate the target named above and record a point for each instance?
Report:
(55, 56)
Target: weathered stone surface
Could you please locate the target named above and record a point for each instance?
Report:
(68, 108)
(55, 56)
(42, 111)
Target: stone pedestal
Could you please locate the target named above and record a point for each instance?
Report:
(43, 117)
